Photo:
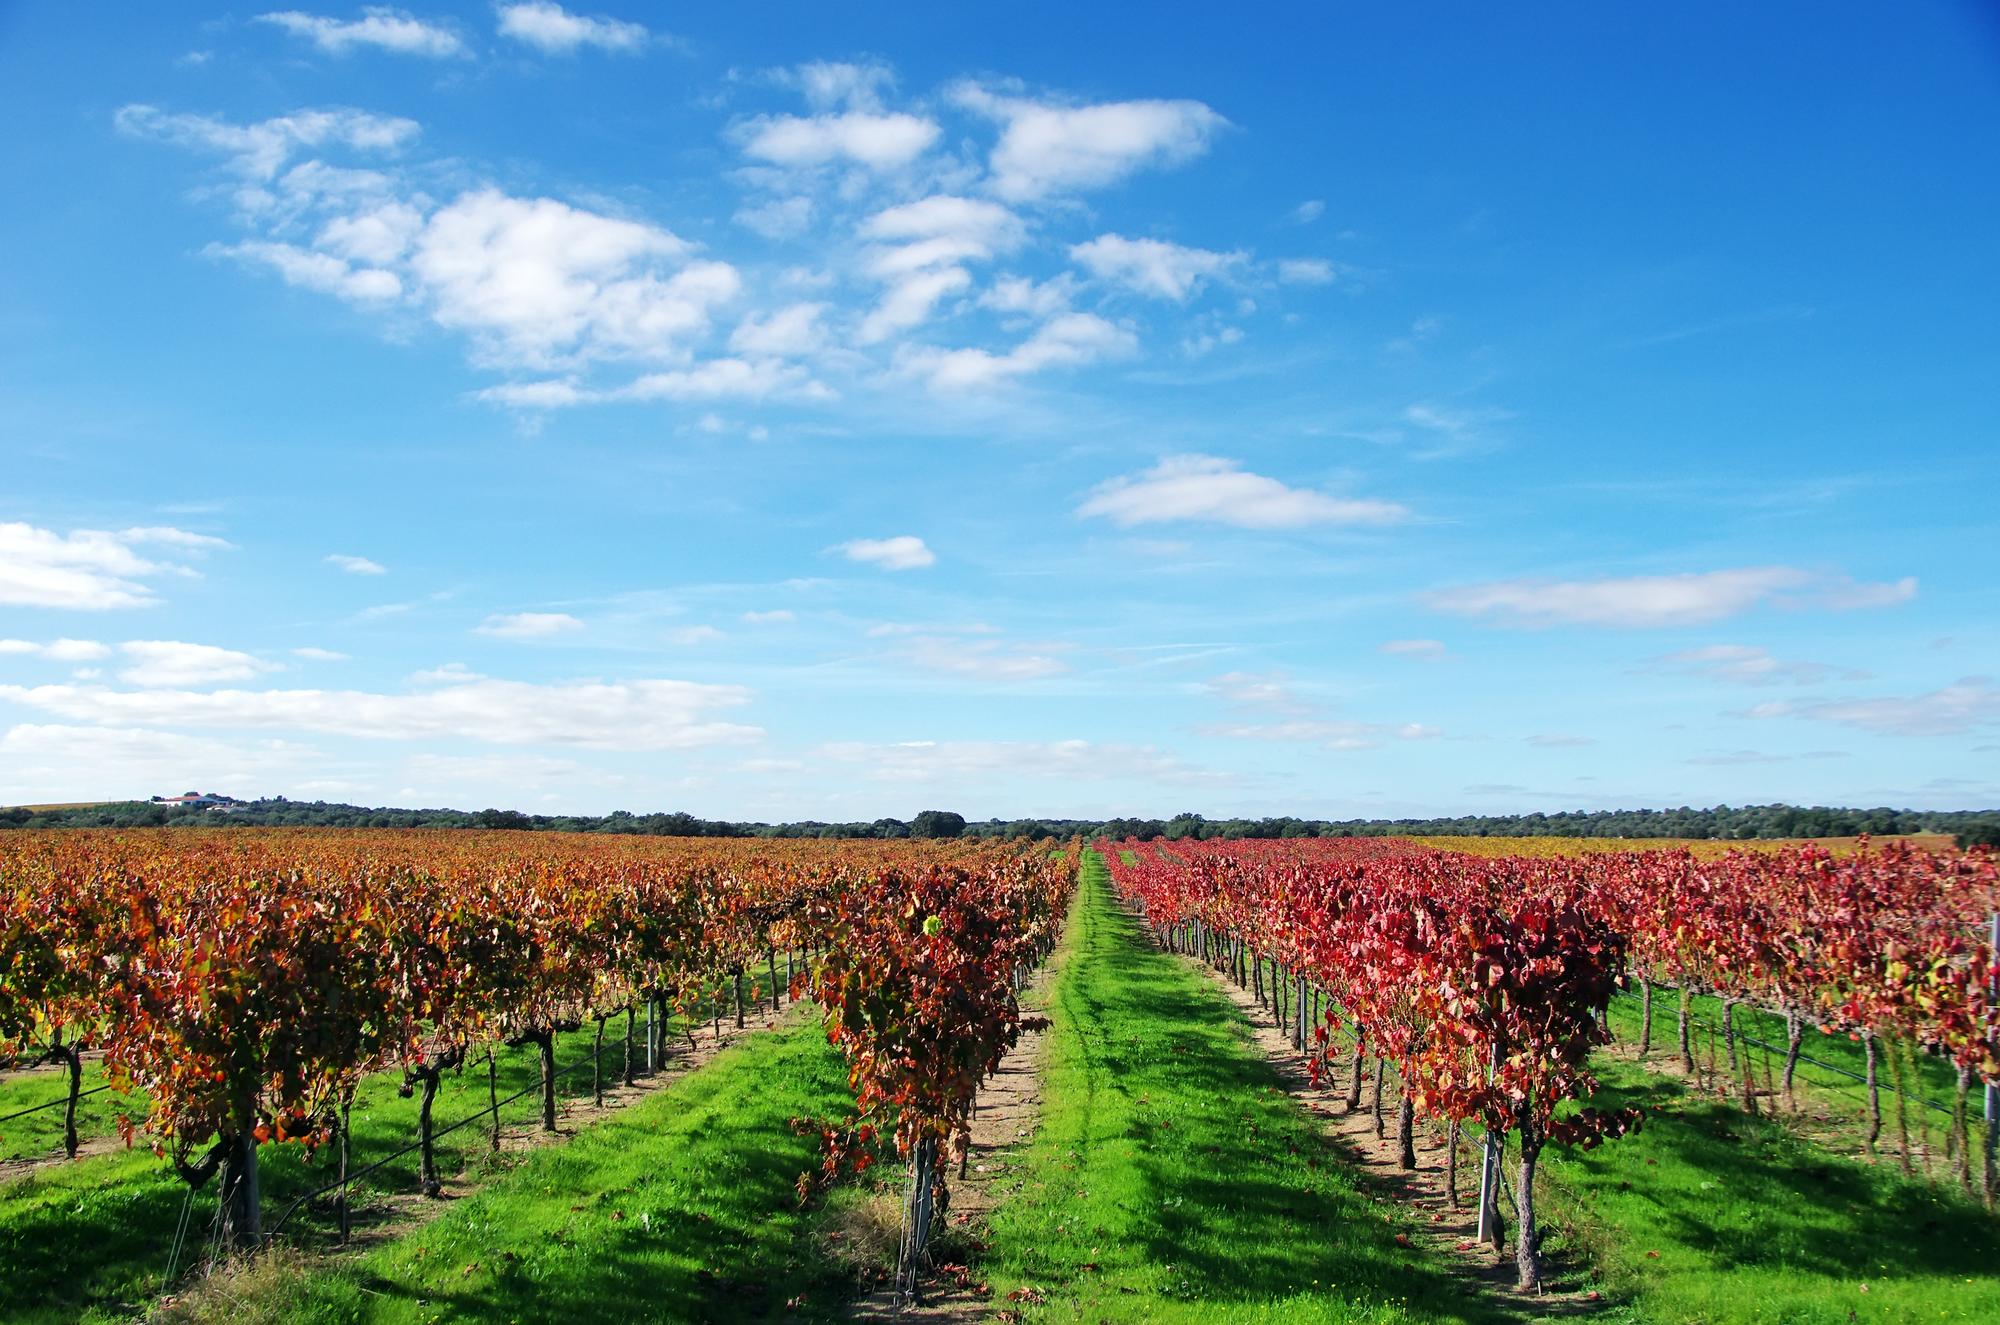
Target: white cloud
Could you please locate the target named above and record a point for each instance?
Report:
(528, 625)
(952, 764)
(1428, 649)
(312, 653)
(542, 281)
(909, 302)
(55, 762)
(1751, 665)
(1326, 733)
(1305, 271)
(1954, 710)
(1019, 294)
(726, 379)
(355, 565)
(623, 715)
(1047, 149)
(260, 150)
(1254, 690)
(170, 664)
(772, 617)
(792, 331)
(62, 650)
(986, 226)
(91, 569)
(1648, 601)
(983, 660)
(554, 30)
(903, 552)
(874, 141)
(830, 85)
(1307, 212)
(320, 272)
(451, 673)
(1207, 488)
(780, 218)
(1067, 340)
(696, 635)
(379, 26)
(1152, 266)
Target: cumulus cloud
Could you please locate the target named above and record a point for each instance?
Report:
(313, 653)
(1218, 491)
(1047, 148)
(622, 715)
(903, 552)
(175, 664)
(553, 30)
(1654, 601)
(528, 625)
(92, 569)
(873, 141)
(543, 281)
(381, 27)
(1152, 266)
(356, 565)
(910, 300)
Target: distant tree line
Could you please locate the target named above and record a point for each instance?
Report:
(1722, 821)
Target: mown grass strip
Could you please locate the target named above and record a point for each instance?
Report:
(1173, 1179)
(679, 1208)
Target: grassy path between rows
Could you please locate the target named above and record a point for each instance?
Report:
(90, 1239)
(679, 1208)
(1172, 1179)
(1711, 1215)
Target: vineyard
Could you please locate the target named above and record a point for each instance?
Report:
(250, 1039)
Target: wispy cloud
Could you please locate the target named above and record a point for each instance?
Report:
(902, 552)
(1661, 601)
(555, 31)
(379, 27)
(355, 565)
(1217, 491)
(529, 625)
(93, 570)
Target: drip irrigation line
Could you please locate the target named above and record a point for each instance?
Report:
(491, 1109)
(63, 1099)
(1822, 1064)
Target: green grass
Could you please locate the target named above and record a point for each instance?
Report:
(679, 1208)
(1826, 1087)
(1172, 1178)
(41, 1132)
(91, 1239)
(1752, 1224)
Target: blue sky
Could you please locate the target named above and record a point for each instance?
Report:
(791, 411)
